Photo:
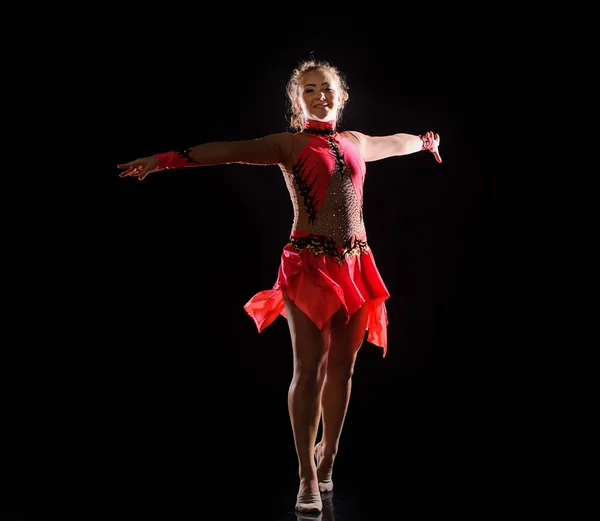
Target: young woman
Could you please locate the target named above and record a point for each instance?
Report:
(328, 286)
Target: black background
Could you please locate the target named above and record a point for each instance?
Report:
(134, 371)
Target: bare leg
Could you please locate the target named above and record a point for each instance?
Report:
(346, 340)
(310, 346)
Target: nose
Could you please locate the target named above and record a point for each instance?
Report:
(322, 96)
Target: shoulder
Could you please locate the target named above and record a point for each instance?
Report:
(282, 142)
(289, 145)
(356, 137)
(285, 140)
(278, 138)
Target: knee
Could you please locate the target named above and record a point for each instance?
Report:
(340, 370)
(310, 374)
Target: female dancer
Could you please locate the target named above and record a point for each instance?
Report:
(328, 286)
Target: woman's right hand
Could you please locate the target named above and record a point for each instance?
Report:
(139, 168)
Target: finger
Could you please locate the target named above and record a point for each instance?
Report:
(126, 165)
(129, 172)
(437, 156)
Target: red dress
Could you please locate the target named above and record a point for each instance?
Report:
(327, 264)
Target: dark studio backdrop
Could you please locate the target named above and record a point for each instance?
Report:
(170, 382)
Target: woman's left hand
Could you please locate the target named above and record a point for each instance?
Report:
(434, 145)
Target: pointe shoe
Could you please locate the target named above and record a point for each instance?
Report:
(309, 503)
(325, 485)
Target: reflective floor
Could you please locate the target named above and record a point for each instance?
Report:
(421, 460)
(161, 434)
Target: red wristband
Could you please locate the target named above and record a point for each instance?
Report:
(428, 143)
(431, 142)
(174, 159)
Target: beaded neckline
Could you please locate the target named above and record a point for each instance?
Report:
(319, 128)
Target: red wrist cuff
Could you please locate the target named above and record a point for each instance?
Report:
(428, 143)
(431, 142)
(174, 159)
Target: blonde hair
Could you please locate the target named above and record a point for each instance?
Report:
(296, 116)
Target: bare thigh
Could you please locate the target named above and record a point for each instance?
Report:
(347, 338)
(310, 343)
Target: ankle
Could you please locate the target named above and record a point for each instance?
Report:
(327, 452)
(308, 478)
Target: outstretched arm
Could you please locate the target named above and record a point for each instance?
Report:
(268, 150)
(375, 148)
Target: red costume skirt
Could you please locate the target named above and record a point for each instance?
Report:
(321, 282)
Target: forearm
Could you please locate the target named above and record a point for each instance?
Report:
(405, 144)
(267, 150)
(401, 144)
(214, 153)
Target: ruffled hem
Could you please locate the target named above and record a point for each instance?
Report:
(319, 285)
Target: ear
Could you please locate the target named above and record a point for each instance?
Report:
(298, 104)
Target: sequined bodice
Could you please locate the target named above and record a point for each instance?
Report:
(326, 189)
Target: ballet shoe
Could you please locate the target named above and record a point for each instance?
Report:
(325, 485)
(309, 503)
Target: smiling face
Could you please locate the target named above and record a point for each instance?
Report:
(319, 96)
